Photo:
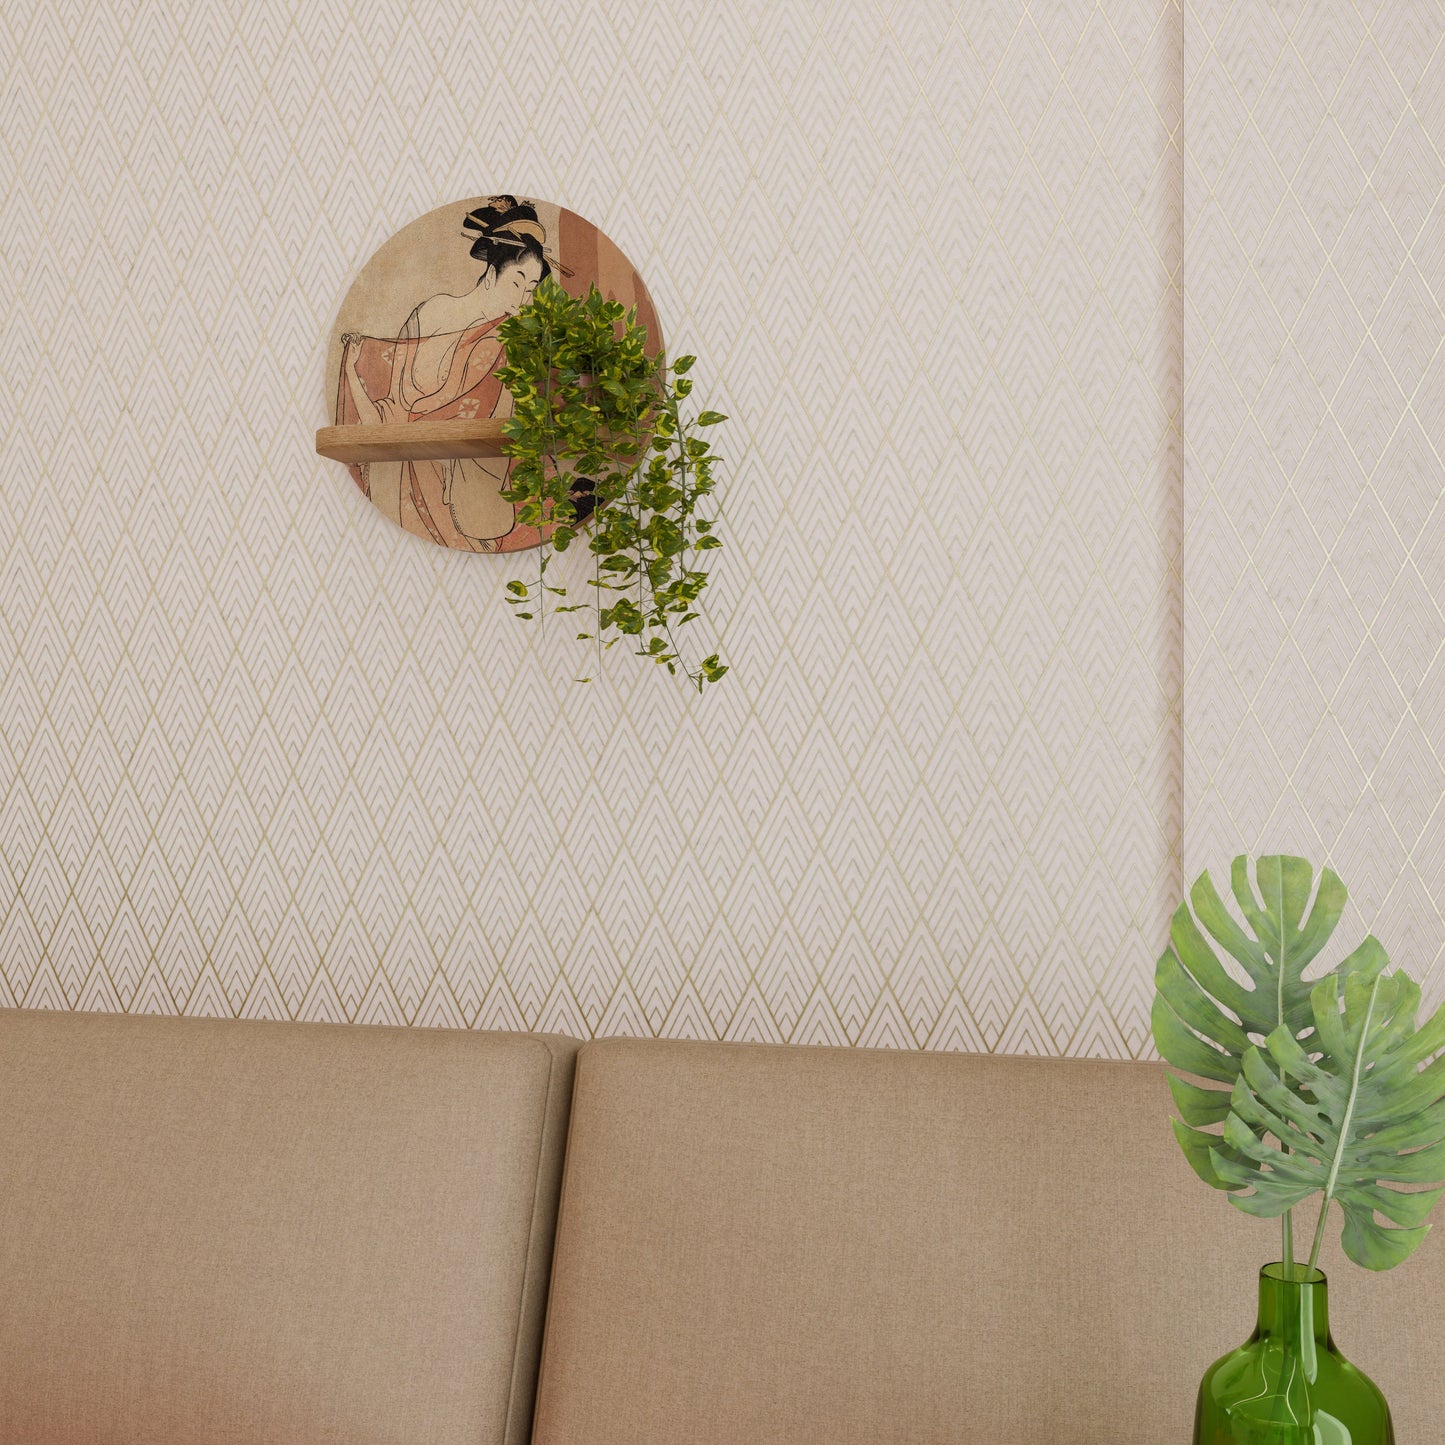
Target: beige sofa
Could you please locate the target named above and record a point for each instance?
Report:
(225, 1231)
(221, 1233)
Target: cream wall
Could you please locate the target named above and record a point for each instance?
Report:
(262, 753)
(1314, 716)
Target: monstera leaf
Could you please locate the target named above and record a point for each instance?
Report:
(1205, 1020)
(1353, 1109)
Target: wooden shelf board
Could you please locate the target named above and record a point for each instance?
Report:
(411, 441)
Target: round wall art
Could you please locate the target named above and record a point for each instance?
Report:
(415, 346)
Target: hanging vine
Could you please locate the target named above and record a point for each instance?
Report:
(602, 449)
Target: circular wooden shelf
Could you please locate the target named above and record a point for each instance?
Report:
(413, 364)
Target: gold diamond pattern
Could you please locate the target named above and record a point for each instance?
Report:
(263, 754)
(1314, 214)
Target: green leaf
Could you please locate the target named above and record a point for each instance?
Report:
(1206, 1018)
(1198, 1107)
(1335, 1107)
(1199, 1149)
(1186, 1050)
(710, 418)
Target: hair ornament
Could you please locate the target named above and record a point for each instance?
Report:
(485, 223)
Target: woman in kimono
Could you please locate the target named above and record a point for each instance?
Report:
(443, 366)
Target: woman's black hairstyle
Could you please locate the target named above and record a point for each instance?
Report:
(506, 232)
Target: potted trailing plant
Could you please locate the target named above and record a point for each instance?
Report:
(602, 446)
(1300, 1090)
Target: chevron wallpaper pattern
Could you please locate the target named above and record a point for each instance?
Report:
(1314, 233)
(264, 754)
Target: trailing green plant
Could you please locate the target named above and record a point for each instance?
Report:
(1323, 1086)
(602, 447)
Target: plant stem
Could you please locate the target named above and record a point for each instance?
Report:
(1287, 1219)
(541, 521)
(1320, 1229)
(682, 476)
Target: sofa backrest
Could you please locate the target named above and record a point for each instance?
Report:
(239, 1232)
(817, 1245)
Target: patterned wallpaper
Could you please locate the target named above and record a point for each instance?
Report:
(262, 753)
(1314, 191)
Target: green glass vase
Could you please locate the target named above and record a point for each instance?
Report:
(1287, 1384)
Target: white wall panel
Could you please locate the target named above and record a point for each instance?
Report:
(264, 754)
(1314, 210)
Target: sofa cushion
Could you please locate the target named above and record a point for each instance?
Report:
(818, 1245)
(224, 1231)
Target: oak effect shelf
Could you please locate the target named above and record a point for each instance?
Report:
(411, 441)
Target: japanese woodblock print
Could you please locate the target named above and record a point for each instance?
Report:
(416, 340)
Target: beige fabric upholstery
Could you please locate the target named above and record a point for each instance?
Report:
(815, 1245)
(233, 1233)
